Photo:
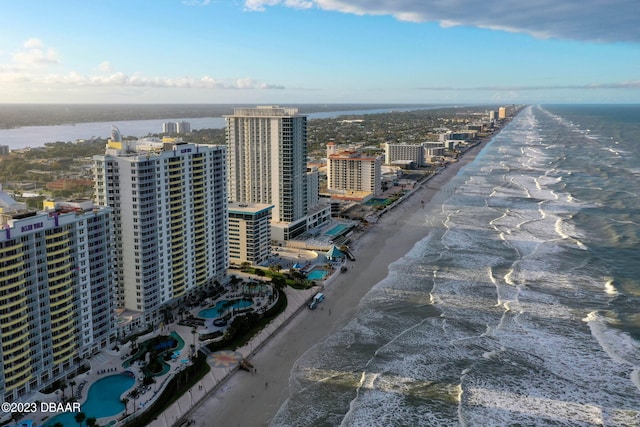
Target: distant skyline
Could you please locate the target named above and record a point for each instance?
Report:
(321, 51)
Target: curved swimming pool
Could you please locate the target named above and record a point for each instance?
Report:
(103, 400)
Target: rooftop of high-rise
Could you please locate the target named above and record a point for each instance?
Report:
(264, 111)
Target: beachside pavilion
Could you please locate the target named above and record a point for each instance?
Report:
(334, 254)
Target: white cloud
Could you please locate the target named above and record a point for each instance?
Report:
(119, 79)
(105, 67)
(34, 54)
(196, 2)
(28, 67)
(260, 5)
(585, 20)
(633, 84)
(33, 43)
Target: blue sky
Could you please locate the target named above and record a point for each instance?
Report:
(322, 51)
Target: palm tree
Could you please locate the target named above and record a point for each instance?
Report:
(72, 384)
(193, 347)
(80, 417)
(134, 395)
(124, 401)
(92, 422)
(63, 385)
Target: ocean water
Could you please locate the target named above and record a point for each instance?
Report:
(522, 305)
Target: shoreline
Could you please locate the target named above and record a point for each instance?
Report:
(254, 399)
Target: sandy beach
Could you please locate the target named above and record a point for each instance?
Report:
(252, 400)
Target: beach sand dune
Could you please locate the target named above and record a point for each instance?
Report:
(252, 400)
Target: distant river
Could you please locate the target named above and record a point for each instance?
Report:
(38, 136)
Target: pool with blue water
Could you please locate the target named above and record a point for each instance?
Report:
(337, 229)
(218, 310)
(317, 274)
(103, 400)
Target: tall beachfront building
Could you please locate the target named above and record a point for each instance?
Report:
(56, 292)
(268, 164)
(351, 175)
(169, 205)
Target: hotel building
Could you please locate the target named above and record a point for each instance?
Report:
(249, 232)
(169, 205)
(56, 292)
(402, 153)
(351, 175)
(268, 164)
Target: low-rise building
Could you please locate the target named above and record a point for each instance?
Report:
(249, 232)
(400, 154)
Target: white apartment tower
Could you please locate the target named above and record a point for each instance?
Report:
(351, 171)
(169, 205)
(268, 164)
(56, 292)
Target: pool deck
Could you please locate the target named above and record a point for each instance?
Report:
(213, 383)
(110, 362)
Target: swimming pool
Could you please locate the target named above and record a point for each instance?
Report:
(103, 400)
(317, 274)
(337, 229)
(218, 310)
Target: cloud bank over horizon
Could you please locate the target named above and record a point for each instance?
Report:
(579, 20)
(34, 63)
(278, 51)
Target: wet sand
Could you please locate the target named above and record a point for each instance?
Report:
(252, 400)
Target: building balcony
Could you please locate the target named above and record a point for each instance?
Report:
(18, 367)
(54, 304)
(53, 263)
(7, 322)
(53, 286)
(11, 276)
(22, 334)
(17, 380)
(64, 308)
(21, 348)
(63, 354)
(177, 235)
(63, 249)
(17, 247)
(56, 235)
(5, 286)
(59, 328)
(14, 294)
(65, 315)
(9, 258)
(52, 271)
(7, 304)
